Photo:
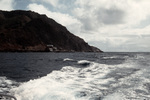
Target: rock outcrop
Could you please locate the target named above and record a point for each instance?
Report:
(30, 31)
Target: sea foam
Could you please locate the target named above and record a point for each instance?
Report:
(94, 82)
(69, 83)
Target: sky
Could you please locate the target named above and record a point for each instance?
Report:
(111, 25)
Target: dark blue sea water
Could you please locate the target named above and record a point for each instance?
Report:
(75, 76)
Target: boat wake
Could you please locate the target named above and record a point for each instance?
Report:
(90, 81)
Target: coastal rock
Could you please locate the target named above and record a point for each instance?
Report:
(30, 31)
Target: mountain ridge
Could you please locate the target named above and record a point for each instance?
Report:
(29, 31)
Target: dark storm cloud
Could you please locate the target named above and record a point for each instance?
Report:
(110, 16)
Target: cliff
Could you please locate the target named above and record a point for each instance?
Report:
(30, 31)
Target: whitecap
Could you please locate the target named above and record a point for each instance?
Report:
(68, 59)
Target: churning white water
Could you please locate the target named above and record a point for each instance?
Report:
(94, 81)
(70, 83)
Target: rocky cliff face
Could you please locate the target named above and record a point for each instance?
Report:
(30, 31)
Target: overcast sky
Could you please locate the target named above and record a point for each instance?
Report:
(111, 25)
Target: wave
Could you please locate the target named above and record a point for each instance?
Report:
(68, 59)
(69, 83)
(84, 63)
(72, 83)
(94, 81)
(6, 85)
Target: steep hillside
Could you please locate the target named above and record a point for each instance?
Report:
(30, 31)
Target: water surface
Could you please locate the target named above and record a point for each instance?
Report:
(75, 76)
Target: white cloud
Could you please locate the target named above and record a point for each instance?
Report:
(136, 10)
(121, 25)
(6, 4)
(118, 24)
(130, 12)
(70, 22)
(54, 3)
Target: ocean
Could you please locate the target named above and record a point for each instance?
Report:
(75, 76)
